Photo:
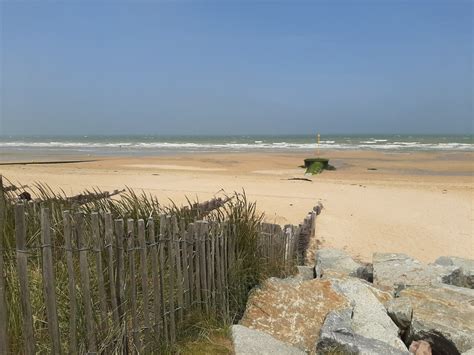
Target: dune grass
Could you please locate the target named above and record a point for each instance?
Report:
(198, 334)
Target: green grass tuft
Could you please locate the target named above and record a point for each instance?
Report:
(197, 334)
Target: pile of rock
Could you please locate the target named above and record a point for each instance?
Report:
(396, 305)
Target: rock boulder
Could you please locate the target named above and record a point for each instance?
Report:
(250, 341)
(466, 266)
(394, 272)
(335, 262)
(338, 337)
(292, 311)
(443, 315)
(305, 273)
(401, 312)
(369, 317)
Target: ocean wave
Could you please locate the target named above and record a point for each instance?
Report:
(257, 145)
(407, 143)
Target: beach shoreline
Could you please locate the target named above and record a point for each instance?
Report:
(419, 203)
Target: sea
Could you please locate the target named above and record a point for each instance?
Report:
(162, 145)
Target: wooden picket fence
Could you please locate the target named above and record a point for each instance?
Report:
(135, 279)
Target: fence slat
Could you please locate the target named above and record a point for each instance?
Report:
(210, 268)
(226, 270)
(190, 258)
(120, 278)
(202, 266)
(171, 278)
(48, 283)
(197, 263)
(156, 281)
(185, 261)
(22, 267)
(162, 274)
(71, 283)
(98, 265)
(144, 277)
(109, 239)
(220, 298)
(85, 280)
(3, 305)
(233, 243)
(179, 272)
(132, 283)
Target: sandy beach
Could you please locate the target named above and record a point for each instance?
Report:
(416, 203)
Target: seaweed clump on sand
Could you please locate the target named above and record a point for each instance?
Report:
(317, 165)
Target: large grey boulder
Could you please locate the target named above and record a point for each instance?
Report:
(292, 311)
(369, 316)
(250, 341)
(442, 314)
(466, 266)
(401, 312)
(335, 262)
(305, 273)
(395, 272)
(338, 337)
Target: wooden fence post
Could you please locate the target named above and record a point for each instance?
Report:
(132, 281)
(171, 263)
(226, 269)
(155, 273)
(314, 213)
(73, 349)
(48, 282)
(202, 250)
(22, 267)
(85, 280)
(271, 243)
(197, 263)
(218, 250)
(185, 262)
(224, 275)
(98, 264)
(162, 273)
(190, 262)
(144, 277)
(296, 242)
(109, 239)
(176, 244)
(210, 264)
(120, 279)
(3, 305)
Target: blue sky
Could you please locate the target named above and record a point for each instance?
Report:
(228, 67)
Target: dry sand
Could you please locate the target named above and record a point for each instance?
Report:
(415, 203)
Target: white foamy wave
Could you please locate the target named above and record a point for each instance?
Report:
(374, 141)
(407, 143)
(63, 145)
(257, 145)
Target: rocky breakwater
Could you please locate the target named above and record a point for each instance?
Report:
(394, 305)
